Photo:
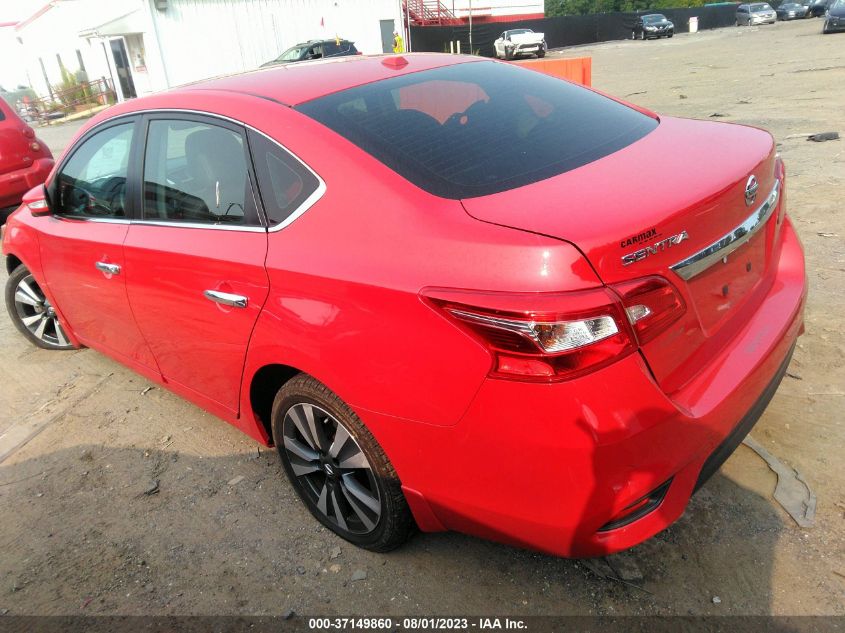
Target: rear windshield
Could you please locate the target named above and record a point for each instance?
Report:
(478, 128)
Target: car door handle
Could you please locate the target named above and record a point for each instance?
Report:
(111, 269)
(227, 299)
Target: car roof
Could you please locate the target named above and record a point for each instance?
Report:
(329, 39)
(292, 84)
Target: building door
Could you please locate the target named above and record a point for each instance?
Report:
(121, 64)
(386, 35)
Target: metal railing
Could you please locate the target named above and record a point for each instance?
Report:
(79, 97)
(430, 13)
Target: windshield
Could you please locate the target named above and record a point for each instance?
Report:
(760, 7)
(654, 18)
(292, 54)
(478, 128)
(519, 31)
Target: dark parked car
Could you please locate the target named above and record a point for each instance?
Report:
(820, 8)
(654, 25)
(314, 49)
(791, 11)
(25, 161)
(835, 19)
(756, 13)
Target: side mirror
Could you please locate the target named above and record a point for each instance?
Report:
(36, 200)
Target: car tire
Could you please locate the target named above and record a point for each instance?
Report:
(338, 468)
(671, 34)
(31, 312)
(541, 53)
(508, 54)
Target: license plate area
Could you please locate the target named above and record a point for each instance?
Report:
(719, 291)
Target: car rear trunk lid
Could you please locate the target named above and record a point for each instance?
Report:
(647, 209)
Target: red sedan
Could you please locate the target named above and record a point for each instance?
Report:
(24, 160)
(453, 293)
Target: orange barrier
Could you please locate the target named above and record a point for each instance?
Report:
(577, 69)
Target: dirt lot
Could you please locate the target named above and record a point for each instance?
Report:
(225, 533)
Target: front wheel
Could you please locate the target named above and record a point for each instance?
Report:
(671, 34)
(541, 53)
(337, 468)
(32, 313)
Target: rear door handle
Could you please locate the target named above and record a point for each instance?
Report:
(227, 299)
(111, 269)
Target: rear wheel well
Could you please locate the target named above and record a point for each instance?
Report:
(263, 389)
(12, 262)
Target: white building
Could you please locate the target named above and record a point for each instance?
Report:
(12, 74)
(142, 46)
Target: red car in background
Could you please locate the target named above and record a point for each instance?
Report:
(25, 161)
(452, 292)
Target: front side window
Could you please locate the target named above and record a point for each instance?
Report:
(92, 184)
(478, 128)
(196, 173)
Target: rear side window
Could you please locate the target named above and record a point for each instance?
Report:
(479, 128)
(196, 173)
(285, 183)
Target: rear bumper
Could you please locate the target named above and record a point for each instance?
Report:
(16, 183)
(550, 466)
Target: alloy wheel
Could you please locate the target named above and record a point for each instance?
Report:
(37, 315)
(331, 468)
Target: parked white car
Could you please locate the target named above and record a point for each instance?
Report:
(518, 42)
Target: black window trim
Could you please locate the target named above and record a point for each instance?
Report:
(136, 174)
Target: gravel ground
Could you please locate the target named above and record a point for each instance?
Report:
(222, 531)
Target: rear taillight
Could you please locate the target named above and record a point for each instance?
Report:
(558, 336)
(541, 336)
(652, 305)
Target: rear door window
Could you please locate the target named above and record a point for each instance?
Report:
(478, 128)
(196, 172)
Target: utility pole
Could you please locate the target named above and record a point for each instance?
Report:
(470, 27)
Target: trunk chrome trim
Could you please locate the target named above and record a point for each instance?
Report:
(727, 244)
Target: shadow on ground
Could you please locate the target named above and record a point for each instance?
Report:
(83, 532)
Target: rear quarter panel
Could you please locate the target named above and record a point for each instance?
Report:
(345, 282)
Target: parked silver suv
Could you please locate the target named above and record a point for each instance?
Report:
(755, 13)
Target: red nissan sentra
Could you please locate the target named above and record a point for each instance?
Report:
(454, 293)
